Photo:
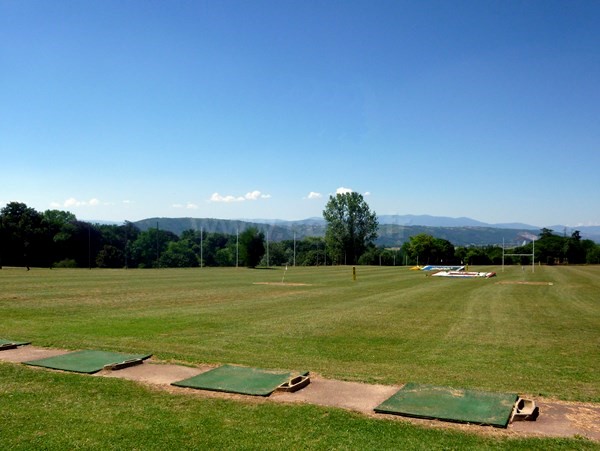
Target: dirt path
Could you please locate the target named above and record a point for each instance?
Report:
(557, 418)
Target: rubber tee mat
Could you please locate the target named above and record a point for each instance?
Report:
(450, 404)
(88, 361)
(237, 379)
(10, 344)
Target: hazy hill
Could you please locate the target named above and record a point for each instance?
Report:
(393, 231)
(445, 221)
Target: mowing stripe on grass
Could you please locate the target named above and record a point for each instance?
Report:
(449, 404)
(87, 361)
(237, 379)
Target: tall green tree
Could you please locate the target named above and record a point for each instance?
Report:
(573, 248)
(21, 235)
(179, 254)
(149, 245)
(549, 248)
(351, 227)
(252, 246)
(425, 249)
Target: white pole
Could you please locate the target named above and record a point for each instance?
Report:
(237, 245)
(201, 253)
(502, 254)
(533, 258)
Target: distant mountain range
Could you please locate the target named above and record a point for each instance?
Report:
(394, 230)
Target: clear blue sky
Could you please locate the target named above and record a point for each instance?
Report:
(262, 109)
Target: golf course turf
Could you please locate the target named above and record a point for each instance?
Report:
(389, 326)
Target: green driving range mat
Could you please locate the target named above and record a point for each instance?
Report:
(237, 379)
(449, 404)
(87, 361)
(9, 344)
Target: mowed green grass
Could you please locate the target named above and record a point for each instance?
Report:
(49, 410)
(389, 326)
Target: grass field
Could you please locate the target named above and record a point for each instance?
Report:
(389, 326)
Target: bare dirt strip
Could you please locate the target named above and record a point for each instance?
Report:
(557, 418)
(522, 282)
(285, 284)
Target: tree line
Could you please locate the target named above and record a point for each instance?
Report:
(55, 238)
(549, 248)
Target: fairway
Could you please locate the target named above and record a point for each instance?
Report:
(389, 326)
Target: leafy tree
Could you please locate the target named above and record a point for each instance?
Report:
(22, 235)
(351, 227)
(592, 252)
(110, 257)
(130, 233)
(252, 246)
(149, 245)
(425, 249)
(371, 256)
(548, 248)
(214, 253)
(225, 256)
(277, 254)
(419, 248)
(179, 254)
(443, 251)
(59, 230)
(574, 250)
(312, 252)
(84, 244)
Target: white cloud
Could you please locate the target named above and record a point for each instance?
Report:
(255, 195)
(252, 195)
(313, 195)
(367, 193)
(72, 202)
(342, 190)
(216, 197)
(188, 206)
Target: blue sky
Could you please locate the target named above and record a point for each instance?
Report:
(123, 110)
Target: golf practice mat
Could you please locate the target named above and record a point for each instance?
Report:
(449, 404)
(9, 344)
(89, 361)
(244, 380)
